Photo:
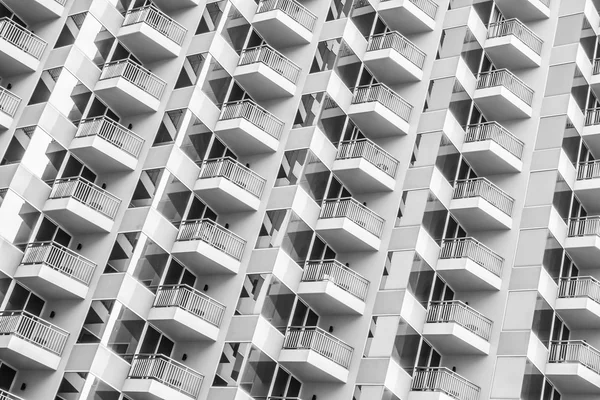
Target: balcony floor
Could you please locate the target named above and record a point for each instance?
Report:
(525, 10)
(6, 121)
(418, 395)
(245, 138)
(376, 120)
(573, 378)
(405, 17)
(100, 155)
(510, 52)
(310, 366)
(477, 214)
(169, 5)
(499, 104)
(22, 354)
(346, 236)
(280, 30)
(579, 312)
(360, 176)
(262, 82)
(224, 196)
(591, 136)
(203, 258)
(50, 283)
(463, 274)
(329, 299)
(14, 61)
(33, 11)
(182, 325)
(147, 43)
(391, 68)
(588, 192)
(124, 96)
(489, 158)
(149, 389)
(451, 338)
(76, 217)
(584, 250)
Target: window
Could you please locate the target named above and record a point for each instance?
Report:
(190, 70)
(167, 131)
(95, 322)
(213, 12)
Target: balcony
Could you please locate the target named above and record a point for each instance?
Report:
(29, 342)
(171, 5)
(348, 226)
(526, 10)
(379, 112)
(267, 74)
(186, 314)
(453, 327)
(151, 35)
(9, 103)
(587, 185)
(157, 377)
(249, 129)
(331, 288)
(228, 186)
(313, 355)
(467, 264)
(4, 395)
(284, 23)
(80, 206)
(55, 272)
(441, 384)
(591, 129)
(394, 59)
(583, 241)
(479, 205)
(511, 44)
(502, 96)
(35, 11)
(208, 248)
(409, 16)
(578, 302)
(491, 149)
(20, 49)
(574, 367)
(364, 167)
(595, 81)
(106, 146)
(130, 88)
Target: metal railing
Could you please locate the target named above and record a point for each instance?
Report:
(214, 234)
(9, 102)
(4, 395)
(113, 132)
(596, 69)
(291, 8)
(394, 40)
(192, 300)
(273, 59)
(87, 193)
(497, 133)
(579, 286)
(584, 226)
(461, 314)
(350, 208)
(592, 116)
(22, 38)
(482, 187)
(575, 351)
(588, 170)
(158, 20)
(503, 77)
(384, 95)
(367, 149)
(166, 371)
(136, 75)
(33, 329)
(316, 339)
(255, 114)
(60, 259)
(338, 274)
(474, 251)
(518, 29)
(446, 381)
(234, 171)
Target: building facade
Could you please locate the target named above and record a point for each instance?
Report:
(299, 200)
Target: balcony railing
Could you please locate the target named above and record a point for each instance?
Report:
(350, 208)
(596, 69)
(384, 95)
(592, 116)
(575, 351)
(87, 193)
(461, 314)
(579, 286)
(473, 250)
(191, 300)
(113, 132)
(429, 7)
(157, 20)
(255, 114)
(481, 187)
(9, 102)
(497, 133)
(4, 395)
(367, 149)
(588, 170)
(273, 59)
(445, 381)
(518, 29)
(166, 371)
(34, 330)
(21, 38)
(292, 9)
(316, 339)
(214, 234)
(585, 226)
(61, 259)
(337, 273)
(394, 40)
(234, 171)
(136, 75)
(505, 78)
